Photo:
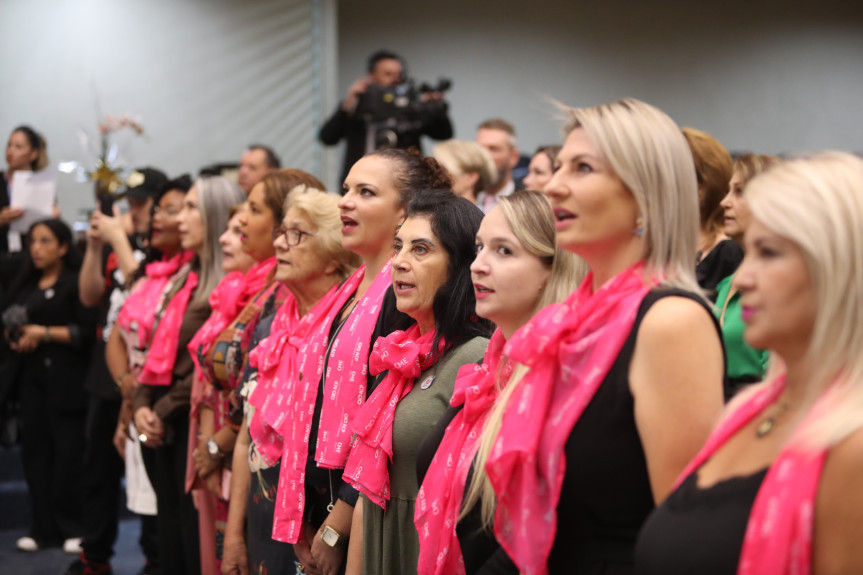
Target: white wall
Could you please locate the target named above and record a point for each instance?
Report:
(207, 77)
(210, 76)
(770, 78)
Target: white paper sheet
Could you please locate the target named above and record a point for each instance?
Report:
(33, 192)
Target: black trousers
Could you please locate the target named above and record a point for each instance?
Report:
(52, 454)
(177, 519)
(104, 471)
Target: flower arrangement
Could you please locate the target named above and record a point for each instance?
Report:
(107, 170)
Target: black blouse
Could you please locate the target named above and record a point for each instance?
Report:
(606, 496)
(58, 368)
(698, 531)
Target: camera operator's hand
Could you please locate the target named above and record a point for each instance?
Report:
(431, 97)
(353, 96)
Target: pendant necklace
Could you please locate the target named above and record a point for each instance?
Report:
(766, 426)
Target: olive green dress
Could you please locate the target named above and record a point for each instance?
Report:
(390, 540)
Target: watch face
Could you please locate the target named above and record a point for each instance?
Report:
(212, 447)
(330, 537)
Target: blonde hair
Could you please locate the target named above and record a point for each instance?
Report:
(322, 209)
(529, 216)
(463, 156)
(817, 203)
(648, 152)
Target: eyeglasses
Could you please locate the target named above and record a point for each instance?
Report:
(169, 210)
(293, 236)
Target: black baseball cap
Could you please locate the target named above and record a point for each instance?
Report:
(144, 183)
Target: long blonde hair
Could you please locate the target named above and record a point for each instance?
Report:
(529, 216)
(649, 153)
(817, 204)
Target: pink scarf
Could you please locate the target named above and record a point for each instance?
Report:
(273, 355)
(229, 298)
(440, 496)
(569, 349)
(159, 332)
(406, 354)
(231, 295)
(344, 393)
(138, 314)
(778, 536)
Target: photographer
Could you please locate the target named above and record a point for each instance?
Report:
(369, 119)
(50, 333)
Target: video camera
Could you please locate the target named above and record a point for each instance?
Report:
(395, 115)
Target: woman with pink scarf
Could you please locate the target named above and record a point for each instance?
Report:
(776, 489)
(518, 270)
(160, 402)
(417, 369)
(220, 350)
(311, 264)
(624, 378)
(314, 507)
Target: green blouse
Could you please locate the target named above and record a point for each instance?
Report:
(744, 362)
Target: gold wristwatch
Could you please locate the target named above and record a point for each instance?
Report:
(332, 538)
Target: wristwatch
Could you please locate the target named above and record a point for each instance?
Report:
(213, 449)
(332, 538)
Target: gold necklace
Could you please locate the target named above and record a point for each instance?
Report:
(766, 426)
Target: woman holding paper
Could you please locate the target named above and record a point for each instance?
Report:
(25, 151)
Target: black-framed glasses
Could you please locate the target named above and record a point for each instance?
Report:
(293, 236)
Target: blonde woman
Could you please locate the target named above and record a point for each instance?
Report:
(625, 376)
(776, 488)
(469, 164)
(517, 271)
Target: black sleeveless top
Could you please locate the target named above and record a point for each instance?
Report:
(698, 531)
(605, 497)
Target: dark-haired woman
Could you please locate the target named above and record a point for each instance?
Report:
(49, 341)
(314, 506)
(25, 151)
(541, 167)
(432, 254)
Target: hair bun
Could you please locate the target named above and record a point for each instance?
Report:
(438, 177)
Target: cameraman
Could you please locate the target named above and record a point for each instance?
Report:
(385, 69)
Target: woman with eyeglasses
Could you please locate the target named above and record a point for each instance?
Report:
(220, 350)
(311, 263)
(315, 506)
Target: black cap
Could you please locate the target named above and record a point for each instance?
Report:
(144, 183)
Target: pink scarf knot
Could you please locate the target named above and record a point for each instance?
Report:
(405, 354)
(440, 496)
(270, 354)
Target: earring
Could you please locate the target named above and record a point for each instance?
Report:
(639, 227)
